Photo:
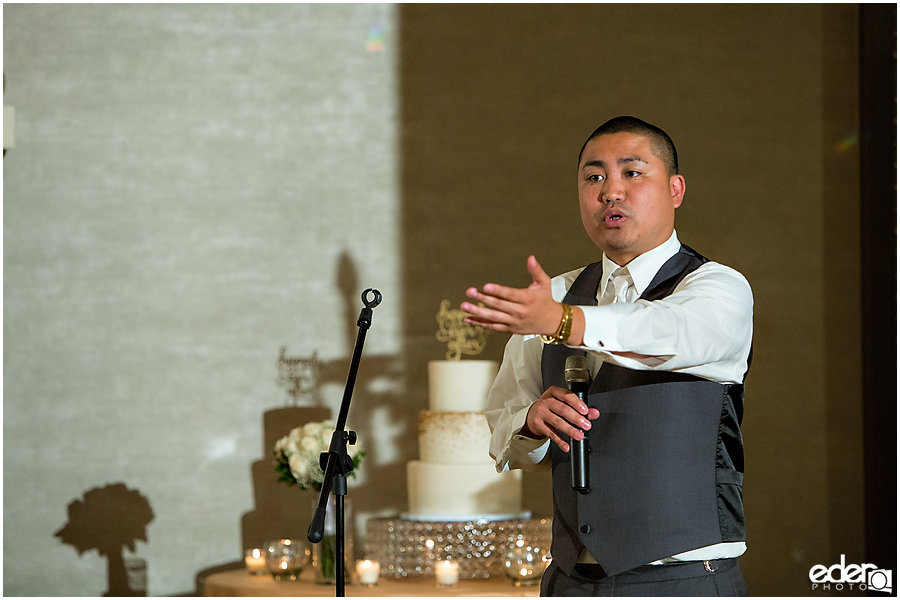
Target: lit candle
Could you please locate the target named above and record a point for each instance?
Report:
(446, 572)
(255, 561)
(368, 571)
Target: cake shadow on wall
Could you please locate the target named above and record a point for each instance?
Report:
(110, 519)
(283, 511)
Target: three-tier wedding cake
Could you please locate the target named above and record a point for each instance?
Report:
(455, 478)
(460, 508)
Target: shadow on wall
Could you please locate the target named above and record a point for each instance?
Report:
(284, 511)
(108, 520)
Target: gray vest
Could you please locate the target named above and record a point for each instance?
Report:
(666, 458)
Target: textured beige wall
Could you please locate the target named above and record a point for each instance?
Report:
(761, 102)
(192, 188)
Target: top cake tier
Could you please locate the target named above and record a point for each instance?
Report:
(460, 386)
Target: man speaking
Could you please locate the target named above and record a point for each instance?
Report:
(665, 335)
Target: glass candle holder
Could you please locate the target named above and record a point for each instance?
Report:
(286, 558)
(368, 572)
(525, 564)
(255, 560)
(446, 573)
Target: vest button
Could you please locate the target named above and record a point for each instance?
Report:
(585, 529)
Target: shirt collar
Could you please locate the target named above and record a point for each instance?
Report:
(644, 267)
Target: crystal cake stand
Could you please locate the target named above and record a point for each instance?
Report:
(409, 548)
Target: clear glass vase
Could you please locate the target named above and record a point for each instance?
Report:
(324, 553)
(525, 563)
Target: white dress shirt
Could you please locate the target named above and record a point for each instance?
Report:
(703, 328)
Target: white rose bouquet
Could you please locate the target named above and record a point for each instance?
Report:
(297, 455)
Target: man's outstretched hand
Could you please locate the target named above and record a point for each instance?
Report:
(531, 310)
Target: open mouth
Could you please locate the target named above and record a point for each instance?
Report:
(614, 218)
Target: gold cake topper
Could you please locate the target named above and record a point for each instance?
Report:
(461, 337)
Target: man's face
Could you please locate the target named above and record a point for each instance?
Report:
(627, 198)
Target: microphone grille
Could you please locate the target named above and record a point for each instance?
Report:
(576, 369)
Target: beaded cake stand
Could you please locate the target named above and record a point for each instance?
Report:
(409, 548)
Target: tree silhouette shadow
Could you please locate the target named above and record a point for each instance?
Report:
(108, 520)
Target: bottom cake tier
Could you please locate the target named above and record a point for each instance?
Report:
(462, 492)
(407, 548)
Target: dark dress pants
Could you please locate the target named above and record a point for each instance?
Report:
(694, 578)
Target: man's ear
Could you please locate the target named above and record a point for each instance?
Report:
(676, 189)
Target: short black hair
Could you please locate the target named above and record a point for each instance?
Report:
(661, 144)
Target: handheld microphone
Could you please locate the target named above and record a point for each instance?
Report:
(578, 379)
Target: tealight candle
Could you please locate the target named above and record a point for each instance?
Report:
(255, 561)
(446, 573)
(368, 572)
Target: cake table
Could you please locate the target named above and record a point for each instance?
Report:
(239, 583)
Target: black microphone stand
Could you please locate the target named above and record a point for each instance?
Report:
(336, 462)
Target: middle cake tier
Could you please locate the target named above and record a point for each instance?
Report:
(454, 438)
